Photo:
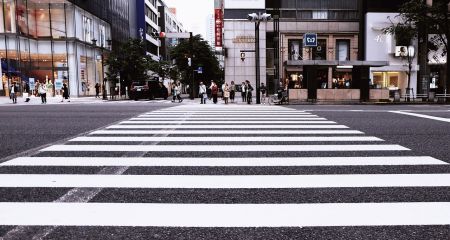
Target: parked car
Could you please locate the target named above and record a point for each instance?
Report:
(148, 90)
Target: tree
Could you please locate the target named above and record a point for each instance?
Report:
(129, 62)
(201, 55)
(164, 70)
(405, 33)
(435, 18)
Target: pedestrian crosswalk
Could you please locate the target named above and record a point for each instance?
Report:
(223, 167)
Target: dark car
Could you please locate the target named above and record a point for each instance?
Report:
(148, 90)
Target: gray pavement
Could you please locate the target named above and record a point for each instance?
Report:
(347, 186)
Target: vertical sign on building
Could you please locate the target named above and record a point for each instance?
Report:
(218, 24)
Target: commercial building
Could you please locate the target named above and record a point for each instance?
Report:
(58, 41)
(352, 60)
(168, 23)
(146, 22)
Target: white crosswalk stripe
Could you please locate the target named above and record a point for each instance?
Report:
(200, 151)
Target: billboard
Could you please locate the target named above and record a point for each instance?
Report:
(218, 25)
(437, 54)
(245, 4)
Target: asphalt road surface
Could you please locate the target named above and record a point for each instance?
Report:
(157, 171)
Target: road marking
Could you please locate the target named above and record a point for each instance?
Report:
(224, 132)
(225, 162)
(423, 116)
(211, 126)
(223, 148)
(227, 115)
(226, 118)
(230, 122)
(225, 215)
(223, 182)
(226, 139)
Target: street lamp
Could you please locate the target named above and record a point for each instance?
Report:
(258, 18)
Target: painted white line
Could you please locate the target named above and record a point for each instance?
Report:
(226, 118)
(227, 115)
(227, 127)
(230, 122)
(226, 139)
(225, 215)
(226, 111)
(223, 148)
(423, 116)
(224, 132)
(222, 182)
(224, 162)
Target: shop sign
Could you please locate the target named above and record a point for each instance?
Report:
(218, 25)
(58, 84)
(32, 83)
(310, 40)
(244, 39)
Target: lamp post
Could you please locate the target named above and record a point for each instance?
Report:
(105, 97)
(258, 18)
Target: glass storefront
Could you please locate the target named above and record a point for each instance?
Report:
(51, 42)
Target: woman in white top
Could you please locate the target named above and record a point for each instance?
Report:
(202, 93)
(43, 92)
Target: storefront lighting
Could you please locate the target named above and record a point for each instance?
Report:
(344, 67)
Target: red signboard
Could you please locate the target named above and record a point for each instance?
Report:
(218, 26)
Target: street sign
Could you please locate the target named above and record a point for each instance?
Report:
(58, 84)
(200, 70)
(32, 83)
(310, 40)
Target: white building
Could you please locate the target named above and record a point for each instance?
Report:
(210, 30)
(382, 47)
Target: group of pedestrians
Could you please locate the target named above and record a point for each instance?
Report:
(41, 90)
(229, 92)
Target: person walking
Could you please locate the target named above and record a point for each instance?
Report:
(13, 93)
(178, 91)
(244, 92)
(173, 91)
(43, 92)
(97, 90)
(263, 90)
(214, 92)
(249, 91)
(232, 91)
(226, 93)
(202, 93)
(65, 92)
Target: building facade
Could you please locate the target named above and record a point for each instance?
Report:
(52, 42)
(168, 23)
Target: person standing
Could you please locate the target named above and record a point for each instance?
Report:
(27, 92)
(244, 92)
(263, 91)
(249, 91)
(214, 92)
(202, 93)
(13, 93)
(97, 90)
(65, 92)
(232, 91)
(226, 93)
(43, 93)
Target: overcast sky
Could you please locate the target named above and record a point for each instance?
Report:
(193, 13)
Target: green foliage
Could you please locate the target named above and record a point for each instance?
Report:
(202, 56)
(164, 70)
(403, 31)
(129, 61)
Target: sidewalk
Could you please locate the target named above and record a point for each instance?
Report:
(50, 100)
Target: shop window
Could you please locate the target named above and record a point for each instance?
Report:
(343, 50)
(87, 29)
(296, 80)
(342, 78)
(320, 52)
(58, 20)
(295, 49)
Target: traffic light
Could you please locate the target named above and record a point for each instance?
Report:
(242, 56)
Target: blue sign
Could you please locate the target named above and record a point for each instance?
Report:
(58, 84)
(200, 70)
(310, 40)
(32, 83)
